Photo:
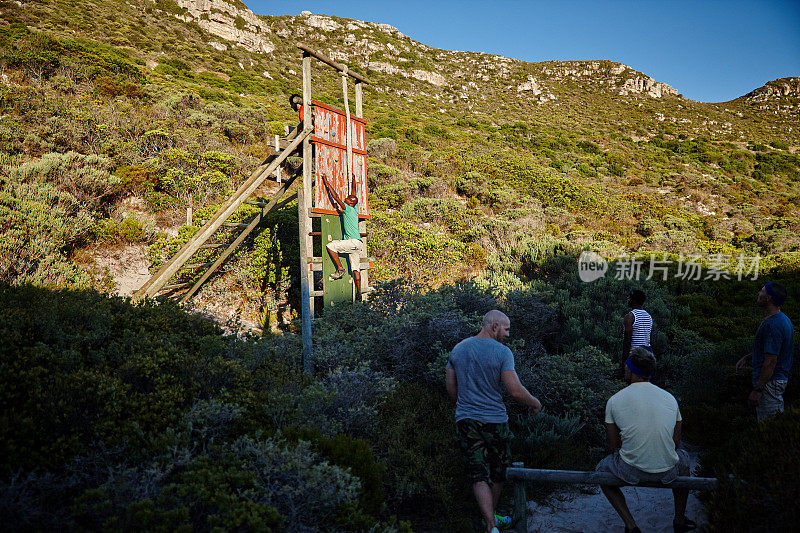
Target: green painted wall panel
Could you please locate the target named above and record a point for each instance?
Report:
(341, 290)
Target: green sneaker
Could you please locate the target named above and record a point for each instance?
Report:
(502, 521)
(495, 530)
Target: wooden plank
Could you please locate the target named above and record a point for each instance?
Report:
(362, 228)
(327, 107)
(154, 284)
(328, 61)
(235, 244)
(605, 478)
(359, 100)
(348, 134)
(520, 503)
(177, 286)
(303, 205)
(196, 266)
(333, 144)
(340, 291)
(338, 164)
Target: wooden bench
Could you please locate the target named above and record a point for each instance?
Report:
(518, 475)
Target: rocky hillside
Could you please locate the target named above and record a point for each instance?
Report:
(473, 156)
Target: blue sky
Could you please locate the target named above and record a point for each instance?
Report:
(711, 51)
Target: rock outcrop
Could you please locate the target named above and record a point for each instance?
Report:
(773, 90)
(223, 19)
(648, 86)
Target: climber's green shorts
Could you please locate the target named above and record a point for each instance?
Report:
(486, 449)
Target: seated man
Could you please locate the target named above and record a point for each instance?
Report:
(643, 430)
(350, 242)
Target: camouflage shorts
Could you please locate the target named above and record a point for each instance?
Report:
(486, 448)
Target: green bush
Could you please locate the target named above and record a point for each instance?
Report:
(50, 205)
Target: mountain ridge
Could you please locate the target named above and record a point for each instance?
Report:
(236, 23)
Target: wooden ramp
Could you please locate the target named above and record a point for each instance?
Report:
(202, 240)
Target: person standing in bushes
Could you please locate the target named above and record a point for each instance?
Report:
(637, 325)
(773, 350)
(643, 431)
(475, 371)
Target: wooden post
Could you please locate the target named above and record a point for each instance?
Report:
(349, 133)
(520, 503)
(303, 205)
(362, 224)
(278, 176)
(604, 478)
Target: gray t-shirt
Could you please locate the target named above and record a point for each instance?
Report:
(478, 363)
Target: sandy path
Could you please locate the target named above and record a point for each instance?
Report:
(590, 513)
(652, 509)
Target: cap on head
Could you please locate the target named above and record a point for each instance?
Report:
(642, 362)
(777, 292)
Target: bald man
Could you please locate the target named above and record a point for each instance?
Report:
(475, 370)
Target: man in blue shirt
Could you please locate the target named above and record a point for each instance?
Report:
(772, 353)
(351, 242)
(475, 371)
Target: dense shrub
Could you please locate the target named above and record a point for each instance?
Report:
(49, 207)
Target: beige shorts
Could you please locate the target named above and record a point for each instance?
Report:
(347, 246)
(771, 402)
(630, 474)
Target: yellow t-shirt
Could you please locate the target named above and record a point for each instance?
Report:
(646, 416)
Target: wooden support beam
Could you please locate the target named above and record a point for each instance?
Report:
(520, 502)
(604, 478)
(235, 244)
(195, 266)
(235, 224)
(219, 245)
(304, 200)
(177, 286)
(330, 62)
(359, 100)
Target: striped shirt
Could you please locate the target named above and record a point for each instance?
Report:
(642, 326)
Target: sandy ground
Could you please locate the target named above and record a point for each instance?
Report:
(652, 509)
(590, 513)
(128, 266)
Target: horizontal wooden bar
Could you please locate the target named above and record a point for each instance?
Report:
(314, 233)
(330, 62)
(234, 224)
(315, 260)
(176, 286)
(195, 266)
(326, 142)
(338, 111)
(605, 478)
(315, 293)
(316, 212)
(213, 246)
